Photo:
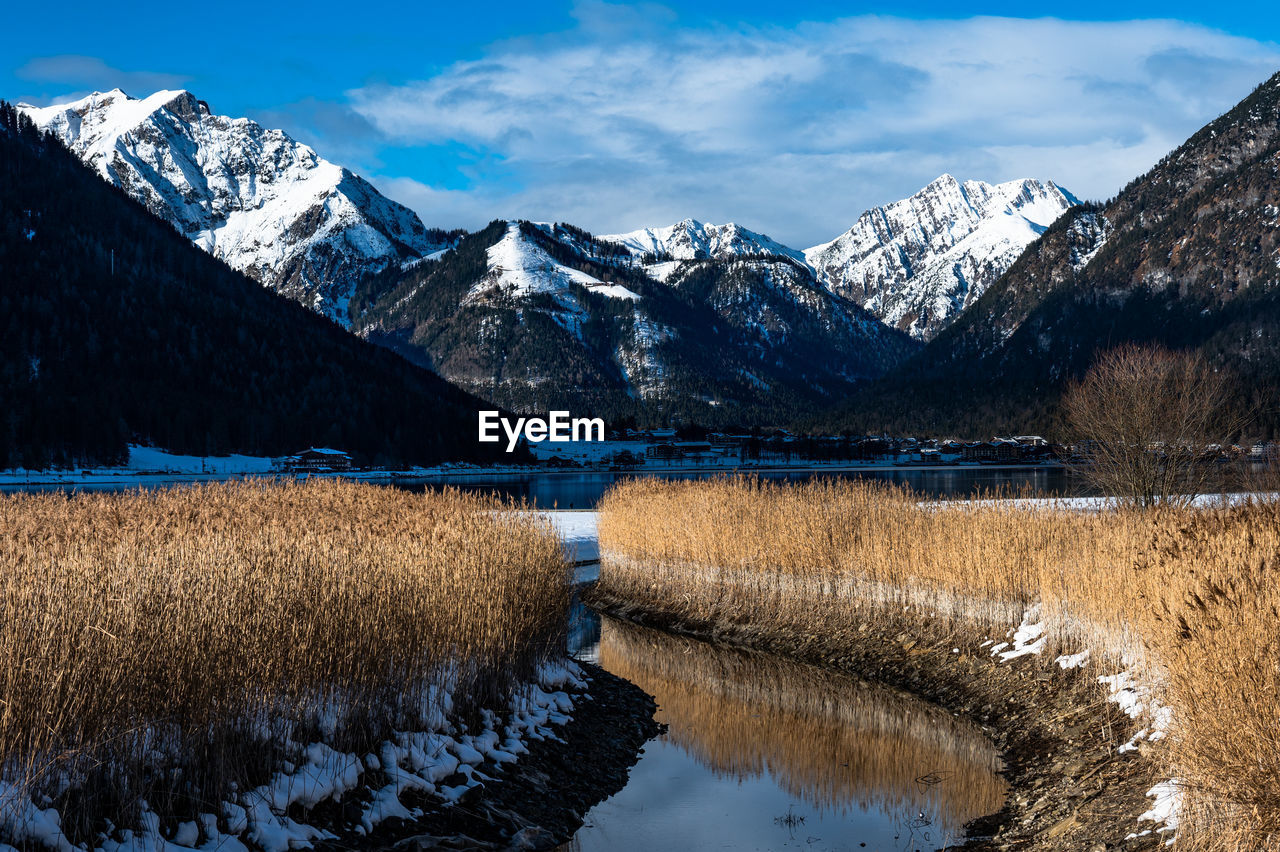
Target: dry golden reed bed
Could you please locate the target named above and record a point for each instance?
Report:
(144, 631)
(1189, 596)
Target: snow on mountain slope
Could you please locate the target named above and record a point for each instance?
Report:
(519, 271)
(691, 239)
(918, 262)
(536, 317)
(518, 268)
(254, 197)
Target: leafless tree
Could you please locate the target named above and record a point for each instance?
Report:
(1152, 422)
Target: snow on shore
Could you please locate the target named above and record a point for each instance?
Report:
(1127, 690)
(1097, 504)
(151, 467)
(578, 536)
(578, 532)
(412, 760)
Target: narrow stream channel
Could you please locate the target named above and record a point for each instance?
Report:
(766, 753)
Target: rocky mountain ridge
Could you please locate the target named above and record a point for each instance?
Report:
(917, 263)
(535, 316)
(253, 197)
(1186, 256)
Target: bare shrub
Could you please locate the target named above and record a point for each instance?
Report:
(1153, 420)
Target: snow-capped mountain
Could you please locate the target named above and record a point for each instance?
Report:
(538, 316)
(916, 263)
(1186, 256)
(265, 204)
(691, 239)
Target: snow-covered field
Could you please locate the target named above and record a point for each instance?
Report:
(152, 466)
(1097, 504)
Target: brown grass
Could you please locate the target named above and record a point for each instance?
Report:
(152, 640)
(1189, 596)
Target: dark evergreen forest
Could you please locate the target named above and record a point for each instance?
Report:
(115, 329)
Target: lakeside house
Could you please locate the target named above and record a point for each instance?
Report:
(1006, 450)
(317, 460)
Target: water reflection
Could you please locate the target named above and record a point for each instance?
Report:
(762, 752)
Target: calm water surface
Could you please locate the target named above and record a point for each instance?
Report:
(583, 490)
(766, 753)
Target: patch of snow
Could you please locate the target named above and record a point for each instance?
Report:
(1028, 638)
(1126, 692)
(415, 760)
(520, 269)
(662, 271)
(1073, 661)
(578, 531)
(21, 820)
(1136, 700)
(1089, 233)
(1164, 811)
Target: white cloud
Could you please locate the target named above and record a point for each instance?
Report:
(93, 73)
(796, 131)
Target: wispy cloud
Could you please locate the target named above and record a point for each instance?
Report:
(341, 133)
(796, 131)
(89, 73)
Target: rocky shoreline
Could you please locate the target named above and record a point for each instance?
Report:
(1070, 789)
(535, 803)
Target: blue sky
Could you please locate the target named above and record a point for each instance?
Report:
(788, 118)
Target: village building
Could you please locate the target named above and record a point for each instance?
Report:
(317, 460)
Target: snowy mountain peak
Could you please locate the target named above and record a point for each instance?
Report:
(690, 239)
(918, 262)
(254, 197)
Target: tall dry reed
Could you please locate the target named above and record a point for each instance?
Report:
(166, 644)
(1187, 596)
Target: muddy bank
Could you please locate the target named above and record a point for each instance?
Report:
(537, 802)
(1069, 787)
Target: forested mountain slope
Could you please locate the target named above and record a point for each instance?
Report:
(538, 316)
(114, 328)
(1188, 256)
